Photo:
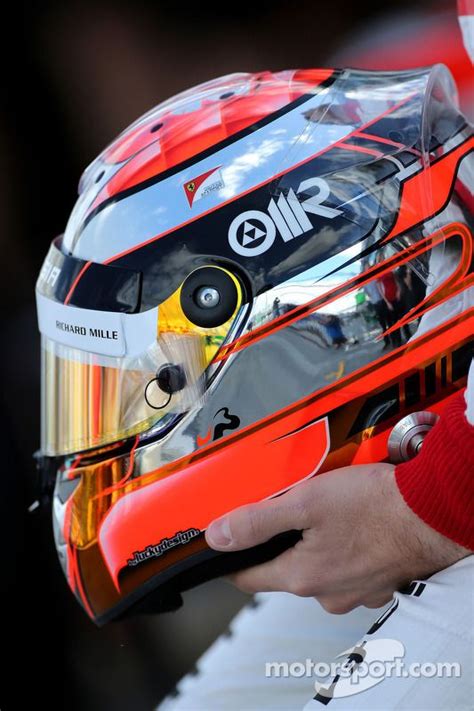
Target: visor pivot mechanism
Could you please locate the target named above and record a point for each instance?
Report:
(406, 438)
(207, 297)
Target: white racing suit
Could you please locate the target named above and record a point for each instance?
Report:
(270, 660)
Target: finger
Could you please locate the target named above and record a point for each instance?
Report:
(338, 603)
(250, 525)
(273, 576)
(379, 600)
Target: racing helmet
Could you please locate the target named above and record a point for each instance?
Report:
(260, 278)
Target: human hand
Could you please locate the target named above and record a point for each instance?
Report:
(360, 542)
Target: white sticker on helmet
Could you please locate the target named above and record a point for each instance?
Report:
(104, 332)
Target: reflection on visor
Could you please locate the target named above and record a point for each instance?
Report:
(90, 400)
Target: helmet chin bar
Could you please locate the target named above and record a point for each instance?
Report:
(163, 592)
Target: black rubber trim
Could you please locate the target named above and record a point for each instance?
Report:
(162, 593)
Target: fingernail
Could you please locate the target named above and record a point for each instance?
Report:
(218, 534)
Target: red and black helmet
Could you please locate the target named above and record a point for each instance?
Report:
(260, 278)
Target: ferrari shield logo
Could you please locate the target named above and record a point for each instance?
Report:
(203, 185)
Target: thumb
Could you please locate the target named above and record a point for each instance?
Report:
(250, 525)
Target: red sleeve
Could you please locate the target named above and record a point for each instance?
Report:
(438, 484)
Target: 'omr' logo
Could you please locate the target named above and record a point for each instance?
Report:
(253, 232)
